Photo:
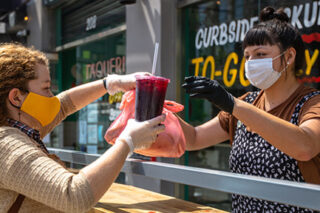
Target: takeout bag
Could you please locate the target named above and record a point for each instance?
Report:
(170, 143)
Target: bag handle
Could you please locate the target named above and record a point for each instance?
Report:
(173, 106)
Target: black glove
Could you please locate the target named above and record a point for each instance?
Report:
(201, 87)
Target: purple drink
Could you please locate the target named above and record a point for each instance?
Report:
(150, 95)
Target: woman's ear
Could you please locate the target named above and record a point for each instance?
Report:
(291, 56)
(15, 97)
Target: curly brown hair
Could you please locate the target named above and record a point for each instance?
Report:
(17, 67)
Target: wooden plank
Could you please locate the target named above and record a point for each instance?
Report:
(124, 198)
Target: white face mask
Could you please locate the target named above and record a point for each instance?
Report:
(260, 72)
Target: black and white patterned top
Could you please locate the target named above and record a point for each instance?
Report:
(252, 155)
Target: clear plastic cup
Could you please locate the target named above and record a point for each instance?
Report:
(150, 95)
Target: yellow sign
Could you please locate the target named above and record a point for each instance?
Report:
(229, 75)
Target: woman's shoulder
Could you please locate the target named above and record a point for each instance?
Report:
(304, 93)
(8, 130)
(307, 89)
(308, 100)
(15, 147)
(10, 136)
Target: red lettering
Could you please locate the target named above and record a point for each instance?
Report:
(112, 65)
(123, 64)
(105, 70)
(92, 71)
(87, 71)
(118, 65)
(99, 69)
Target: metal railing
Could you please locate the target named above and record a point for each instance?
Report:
(281, 191)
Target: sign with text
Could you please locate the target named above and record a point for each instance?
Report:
(102, 68)
(216, 33)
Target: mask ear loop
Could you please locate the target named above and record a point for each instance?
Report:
(18, 107)
(281, 62)
(287, 65)
(19, 113)
(285, 69)
(279, 55)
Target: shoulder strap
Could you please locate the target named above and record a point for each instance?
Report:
(251, 97)
(295, 115)
(17, 204)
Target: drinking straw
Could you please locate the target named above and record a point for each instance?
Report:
(155, 57)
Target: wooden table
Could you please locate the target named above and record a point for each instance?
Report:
(124, 198)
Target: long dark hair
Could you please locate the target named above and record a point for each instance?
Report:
(274, 29)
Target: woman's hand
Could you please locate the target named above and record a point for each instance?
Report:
(201, 87)
(122, 83)
(102, 172)
(141, 135)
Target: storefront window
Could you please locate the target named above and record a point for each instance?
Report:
(94, 61)
(85, 129)
(212, 34)
(54, 138)
(90, 40)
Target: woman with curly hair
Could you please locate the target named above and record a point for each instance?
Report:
(31, 179)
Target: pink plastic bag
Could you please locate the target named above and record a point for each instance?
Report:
(170, 143)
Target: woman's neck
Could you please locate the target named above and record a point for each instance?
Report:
(280, 91)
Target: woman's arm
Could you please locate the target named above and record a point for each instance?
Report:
(300, 142)
(84, 94)
(74, 99)
(29, 171)
(205, 135)
(101, 173)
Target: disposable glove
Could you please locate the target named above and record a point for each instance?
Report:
(202, 87)
(141, 135)
(121, 83)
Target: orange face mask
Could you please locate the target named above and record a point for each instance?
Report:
(42, 108)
